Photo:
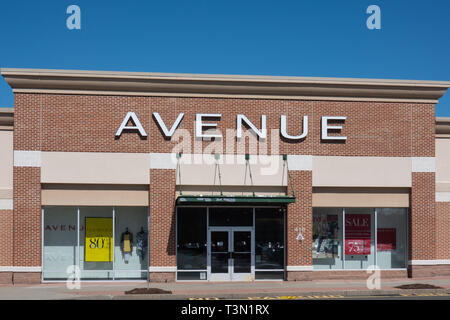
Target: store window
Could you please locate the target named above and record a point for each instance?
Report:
(269, 243)
(60, 241)
(96, 243)
(345, 238)
(359, 243)
(391, 238)
(131, 244)
(327, 238)
(191, 243)
(105, 243)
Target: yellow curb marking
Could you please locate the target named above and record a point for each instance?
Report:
(328, 297)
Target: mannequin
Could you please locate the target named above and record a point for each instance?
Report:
(127, 245)
(141, 243)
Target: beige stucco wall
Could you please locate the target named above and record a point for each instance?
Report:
(95, 168)
(128, 168)
(443, 160)
(68, 197)
(361, 172)
(370, 199)
(265, 170)
(6, 164)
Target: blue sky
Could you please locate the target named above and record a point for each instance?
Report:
(326, 38)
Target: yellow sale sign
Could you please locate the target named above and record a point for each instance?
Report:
(99, 240)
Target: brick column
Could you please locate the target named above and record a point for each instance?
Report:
(422, 215)
(162, 225)
(443, 230)
(27, 245)
(422, 222)
(27, 230)
(299, 218)
(6, 247)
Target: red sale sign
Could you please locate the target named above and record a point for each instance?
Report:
(386, 239)
(357, 234)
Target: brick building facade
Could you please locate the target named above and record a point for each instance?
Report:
(382, 158)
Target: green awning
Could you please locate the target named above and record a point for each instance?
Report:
(254, 200)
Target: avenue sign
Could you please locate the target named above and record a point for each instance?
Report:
(201, 126)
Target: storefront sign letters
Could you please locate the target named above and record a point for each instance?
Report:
(201, 126)
(62, 227)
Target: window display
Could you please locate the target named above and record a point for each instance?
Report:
(362, 246)
(100, 252)
(60, 241)
(359, 238)
(94, 269)
(357, 234)
(99, 237)
(327, 238)
(386, 239)
(141, 243)
(326, 243)
(129, 262)
(127, 239)
(391, 238)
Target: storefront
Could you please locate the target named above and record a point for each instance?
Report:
(230, 243)
(345, 238)
(103, 243)
(117, 176)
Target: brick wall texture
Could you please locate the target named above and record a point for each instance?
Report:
(162, 218)
(299, 219)
(81, 123)
(88, 123)
(27, 228)
(422, 217)
(6, 237)
(443, 230)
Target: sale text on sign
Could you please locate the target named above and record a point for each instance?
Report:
(357, 234)
(99, 239)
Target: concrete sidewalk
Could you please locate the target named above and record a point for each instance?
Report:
(224, 290)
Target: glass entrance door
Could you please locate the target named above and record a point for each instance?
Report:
(242, 256)
(231, 254)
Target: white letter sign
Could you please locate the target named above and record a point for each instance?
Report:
(262, 134)
(199, 125)
(163, 126)
(284, 129)
(137, 125)
(326, 127)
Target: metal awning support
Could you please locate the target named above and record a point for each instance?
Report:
(247, 165)
(234, 199)
(217, 169)
(286, 165)
(253, 200)
(178, 173)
